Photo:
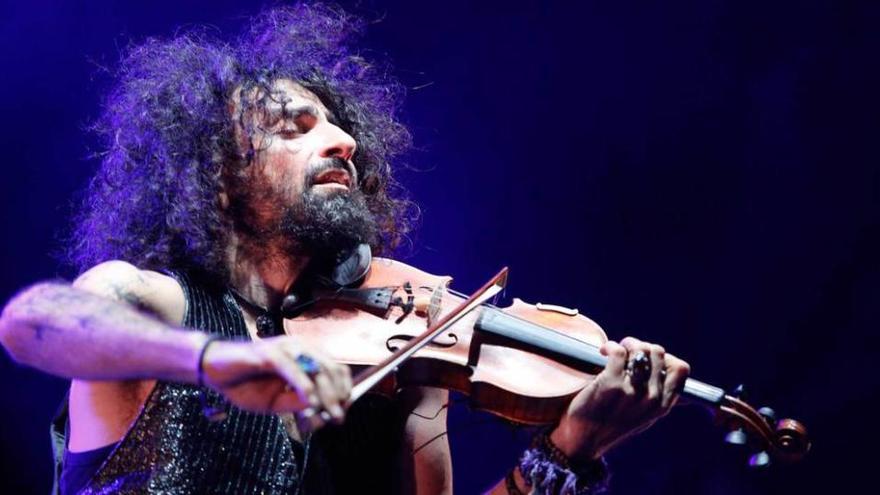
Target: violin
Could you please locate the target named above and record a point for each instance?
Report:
(404, 327)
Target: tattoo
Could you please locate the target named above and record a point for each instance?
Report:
(124, 295)
(432, 417)
(63, 301)
(85, 321)
(127, 294)
(429, 442)
(39, 330)
(44, 307)
(75, 333)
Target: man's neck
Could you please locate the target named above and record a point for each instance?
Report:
(263, 277)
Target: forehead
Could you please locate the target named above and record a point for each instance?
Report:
(287, 94)
(283, 96)
(289, 98)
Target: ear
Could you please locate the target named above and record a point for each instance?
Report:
(236, 112)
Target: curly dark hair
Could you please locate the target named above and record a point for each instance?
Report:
(167, 136)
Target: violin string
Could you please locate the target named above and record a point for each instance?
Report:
(519, 318)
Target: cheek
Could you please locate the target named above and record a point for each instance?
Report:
(283, 172)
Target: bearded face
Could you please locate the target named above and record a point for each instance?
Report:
(323, 223)
(299, 194)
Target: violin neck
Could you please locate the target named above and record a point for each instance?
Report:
(494, 324)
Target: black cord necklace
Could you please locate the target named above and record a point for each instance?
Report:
(269, 321)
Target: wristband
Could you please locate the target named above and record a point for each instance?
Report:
(213, 412)
(548, 470)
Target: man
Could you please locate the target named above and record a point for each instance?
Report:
(231, 174)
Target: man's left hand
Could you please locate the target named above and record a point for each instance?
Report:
(619, 403)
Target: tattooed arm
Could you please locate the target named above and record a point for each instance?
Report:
(112, 331)
(114, 323)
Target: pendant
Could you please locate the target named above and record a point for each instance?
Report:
(266, 326)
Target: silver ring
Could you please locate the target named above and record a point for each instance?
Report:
(638, 368)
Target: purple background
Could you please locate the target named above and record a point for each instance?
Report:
(702, 174)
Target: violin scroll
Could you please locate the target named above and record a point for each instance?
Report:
(784, 441)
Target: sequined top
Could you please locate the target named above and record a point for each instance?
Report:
(171, 448)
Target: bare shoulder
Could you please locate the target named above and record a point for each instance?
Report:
(146, 290)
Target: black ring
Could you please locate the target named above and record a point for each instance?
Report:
(638, 368)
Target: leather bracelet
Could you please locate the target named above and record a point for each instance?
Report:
(212, 412)
(201, 366)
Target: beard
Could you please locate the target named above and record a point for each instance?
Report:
(326, 226)
(319, 224)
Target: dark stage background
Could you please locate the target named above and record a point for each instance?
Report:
(701, 174)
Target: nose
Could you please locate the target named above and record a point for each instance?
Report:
(335, 142)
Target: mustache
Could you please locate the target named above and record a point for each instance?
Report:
(333, 163)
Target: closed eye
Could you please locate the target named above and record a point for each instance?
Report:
(288, 133)
(304, 117)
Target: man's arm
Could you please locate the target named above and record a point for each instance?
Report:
(97, 330)
(426, 461)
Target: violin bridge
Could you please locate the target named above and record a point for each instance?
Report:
(436, 304)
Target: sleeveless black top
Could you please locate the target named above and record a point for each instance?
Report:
(171, 448)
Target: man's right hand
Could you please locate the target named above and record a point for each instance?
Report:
(264, 376)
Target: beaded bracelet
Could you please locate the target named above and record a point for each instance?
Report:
(548, 470)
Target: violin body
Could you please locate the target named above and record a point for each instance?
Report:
(516, 384)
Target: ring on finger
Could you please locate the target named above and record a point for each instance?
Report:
(638, 368)
(308, 364)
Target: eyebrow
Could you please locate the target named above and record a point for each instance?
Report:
(294, 112)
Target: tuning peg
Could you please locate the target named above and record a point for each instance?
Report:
(769, 414)
(736, 437)
(739, 392)
(761, 459)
